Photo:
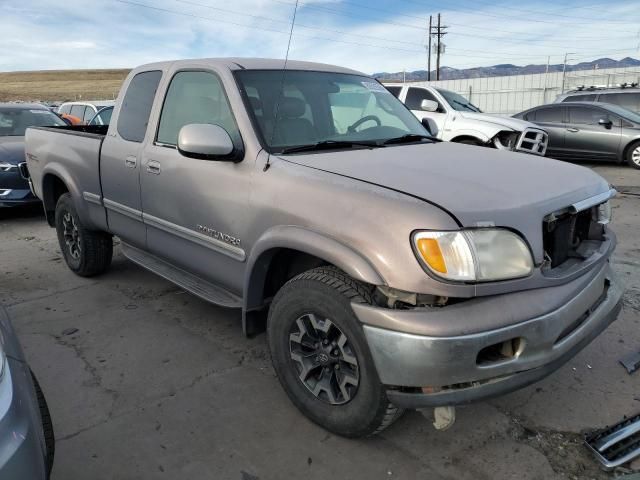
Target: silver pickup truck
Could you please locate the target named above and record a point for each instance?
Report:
(389, 270)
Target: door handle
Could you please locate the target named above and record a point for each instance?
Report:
(130, 161)
(573, 130)
(153, 167)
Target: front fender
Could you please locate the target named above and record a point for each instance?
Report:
(307, 241)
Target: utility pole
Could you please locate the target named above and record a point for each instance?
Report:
(429, 49)
(564, 69)
(438, 31)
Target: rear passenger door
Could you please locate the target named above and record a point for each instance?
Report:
(551, 120)
(196, 210)
(121, 158)
(586, 139)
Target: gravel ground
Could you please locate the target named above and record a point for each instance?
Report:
(145, 381)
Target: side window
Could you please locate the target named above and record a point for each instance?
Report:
(581, 98)
(195, 97)
(78, 111)
(89, 113)
(65, 109)
(585, 115)
(136, 106)
(546, 115)
(415, 96)
(395, 91)
(630, 101)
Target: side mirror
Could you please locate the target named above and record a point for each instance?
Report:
(605, 122)
(203, 140)
(430, 125)
(429, 106)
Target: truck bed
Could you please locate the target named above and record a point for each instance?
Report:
(72, 154)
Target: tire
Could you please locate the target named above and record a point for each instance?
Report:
(633, 155)
(47, 425)
(86, 252)
(322, 297)
(469, 141)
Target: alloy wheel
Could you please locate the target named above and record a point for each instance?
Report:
(323, 357)
(71, 235)
(635, 156)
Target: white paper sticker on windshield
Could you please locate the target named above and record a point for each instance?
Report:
(374, 87)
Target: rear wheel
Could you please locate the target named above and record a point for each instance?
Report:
(321, 357)
(633, 155)
(86, 252)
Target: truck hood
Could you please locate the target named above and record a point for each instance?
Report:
(508, 122)
(12, 150)
(477, 186)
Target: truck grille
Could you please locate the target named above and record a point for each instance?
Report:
(533, 141)
(618, 444)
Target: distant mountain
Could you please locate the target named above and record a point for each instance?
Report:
(505, 69)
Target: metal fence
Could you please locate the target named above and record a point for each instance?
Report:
(513, 94)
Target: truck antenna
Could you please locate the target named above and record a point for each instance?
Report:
(281, 92)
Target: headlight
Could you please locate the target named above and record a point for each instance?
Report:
(7, 167)
(506, 140)
(602, 213)
(474, 255)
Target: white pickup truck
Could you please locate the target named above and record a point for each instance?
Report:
(458, 120)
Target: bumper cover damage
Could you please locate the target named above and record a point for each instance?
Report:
(448, 367)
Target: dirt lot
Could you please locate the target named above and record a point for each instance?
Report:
(61, 85)
(155, 383)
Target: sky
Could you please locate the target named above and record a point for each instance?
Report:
(368, 35)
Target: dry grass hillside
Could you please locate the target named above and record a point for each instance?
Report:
(60, 85)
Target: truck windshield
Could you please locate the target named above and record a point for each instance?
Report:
(458, 102)
(329, 109)
(15, 121)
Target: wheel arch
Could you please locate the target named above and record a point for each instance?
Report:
(283, 252)
(53, 187)
(627, 148)
(470, 136)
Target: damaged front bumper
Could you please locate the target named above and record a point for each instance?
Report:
(487, 346)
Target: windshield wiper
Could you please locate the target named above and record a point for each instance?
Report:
(330, 144)
(468, 106)
(408, 138)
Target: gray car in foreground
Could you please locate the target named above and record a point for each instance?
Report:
(390, 270)
(589, 131)
(26, 432)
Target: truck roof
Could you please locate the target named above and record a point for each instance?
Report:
(239, 63)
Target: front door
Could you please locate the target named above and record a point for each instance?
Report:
(413, 101)
(196, 210)
(587, 139)
(121, 155)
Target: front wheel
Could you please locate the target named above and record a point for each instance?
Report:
(633, 155)
(321, 357)
(86, 252)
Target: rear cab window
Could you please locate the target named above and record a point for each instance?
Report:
(136, 106)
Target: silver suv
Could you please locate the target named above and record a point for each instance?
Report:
(628, 98)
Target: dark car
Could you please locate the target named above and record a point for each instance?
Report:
(14, 120)
(589, 131)
(103, 117)
(26, 432)
(628, 97)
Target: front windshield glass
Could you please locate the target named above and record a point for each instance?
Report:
(458, 102)
(15, 121)
(320, 107)
(624, 113)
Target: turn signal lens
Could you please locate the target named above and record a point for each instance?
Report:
(431, 253)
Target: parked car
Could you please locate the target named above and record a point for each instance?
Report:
(458, 120)
(103, 117)
(84, 110)
(27, 444)
(628, 97)
(390, 270)
(589, 131)
(14, 120)
(70, 119)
